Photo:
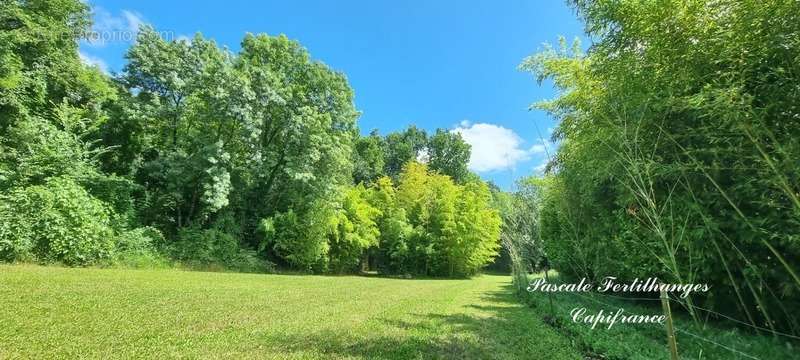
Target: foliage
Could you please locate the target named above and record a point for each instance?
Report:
(520, 234)
(455, 230)
(300, 238)
(394, 229)
(36, 150)
(354, 230)
(57, 221)
(368, 158)
(444, 151)
(402, 147)
(268, 125)
(210, 248)
(449, 154)
(139, 241)
(217, 159)
(138, 248)
(50, 101)
(40, 66)
(678, 143)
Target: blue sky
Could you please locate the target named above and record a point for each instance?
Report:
(435, 64)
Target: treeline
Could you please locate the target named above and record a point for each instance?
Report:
(679, 147)
(199, 155)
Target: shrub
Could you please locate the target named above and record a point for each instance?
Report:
(119, 193)
(214, 249)
(57, 221)
(299, 238)
(138, 248)
(36, 150)
(204, 245)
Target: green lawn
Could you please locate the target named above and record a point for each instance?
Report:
(50, 312)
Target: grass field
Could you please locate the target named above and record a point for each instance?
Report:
(50, 312)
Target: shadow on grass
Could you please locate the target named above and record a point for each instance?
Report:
(500, 330)
(373, 275)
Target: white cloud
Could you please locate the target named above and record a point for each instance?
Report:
(108, 27)
(494, 147)
(538, 148)
(93, 61)
(134, 20)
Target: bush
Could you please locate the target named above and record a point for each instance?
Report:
(57, 221)
(119, 193)
(394, 230)
(299, 238)
(35, 150)
(212, 249)
(204, 245)
(139, 240)
(137, 248)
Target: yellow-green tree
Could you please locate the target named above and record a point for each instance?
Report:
(353, 230)
(455, 229)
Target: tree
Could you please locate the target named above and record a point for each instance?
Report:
(449, 155)
(300, 239)
(368, 158)
(455, 230)
(39, 63)
(394, 229)
(257, 135)
(402, 147)
(184, 167)
(212, 158)
(354, 230)
(306, 121)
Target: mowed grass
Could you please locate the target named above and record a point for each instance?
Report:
(50, 312)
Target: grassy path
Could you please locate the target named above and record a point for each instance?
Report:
(52, 312)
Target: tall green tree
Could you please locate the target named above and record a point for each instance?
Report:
(455, 230)
(395, 231)
(252, 134)
(449, 154)
(179, 90)
(354, 231)
(40, 66)
(368, 158)
(402, 147)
